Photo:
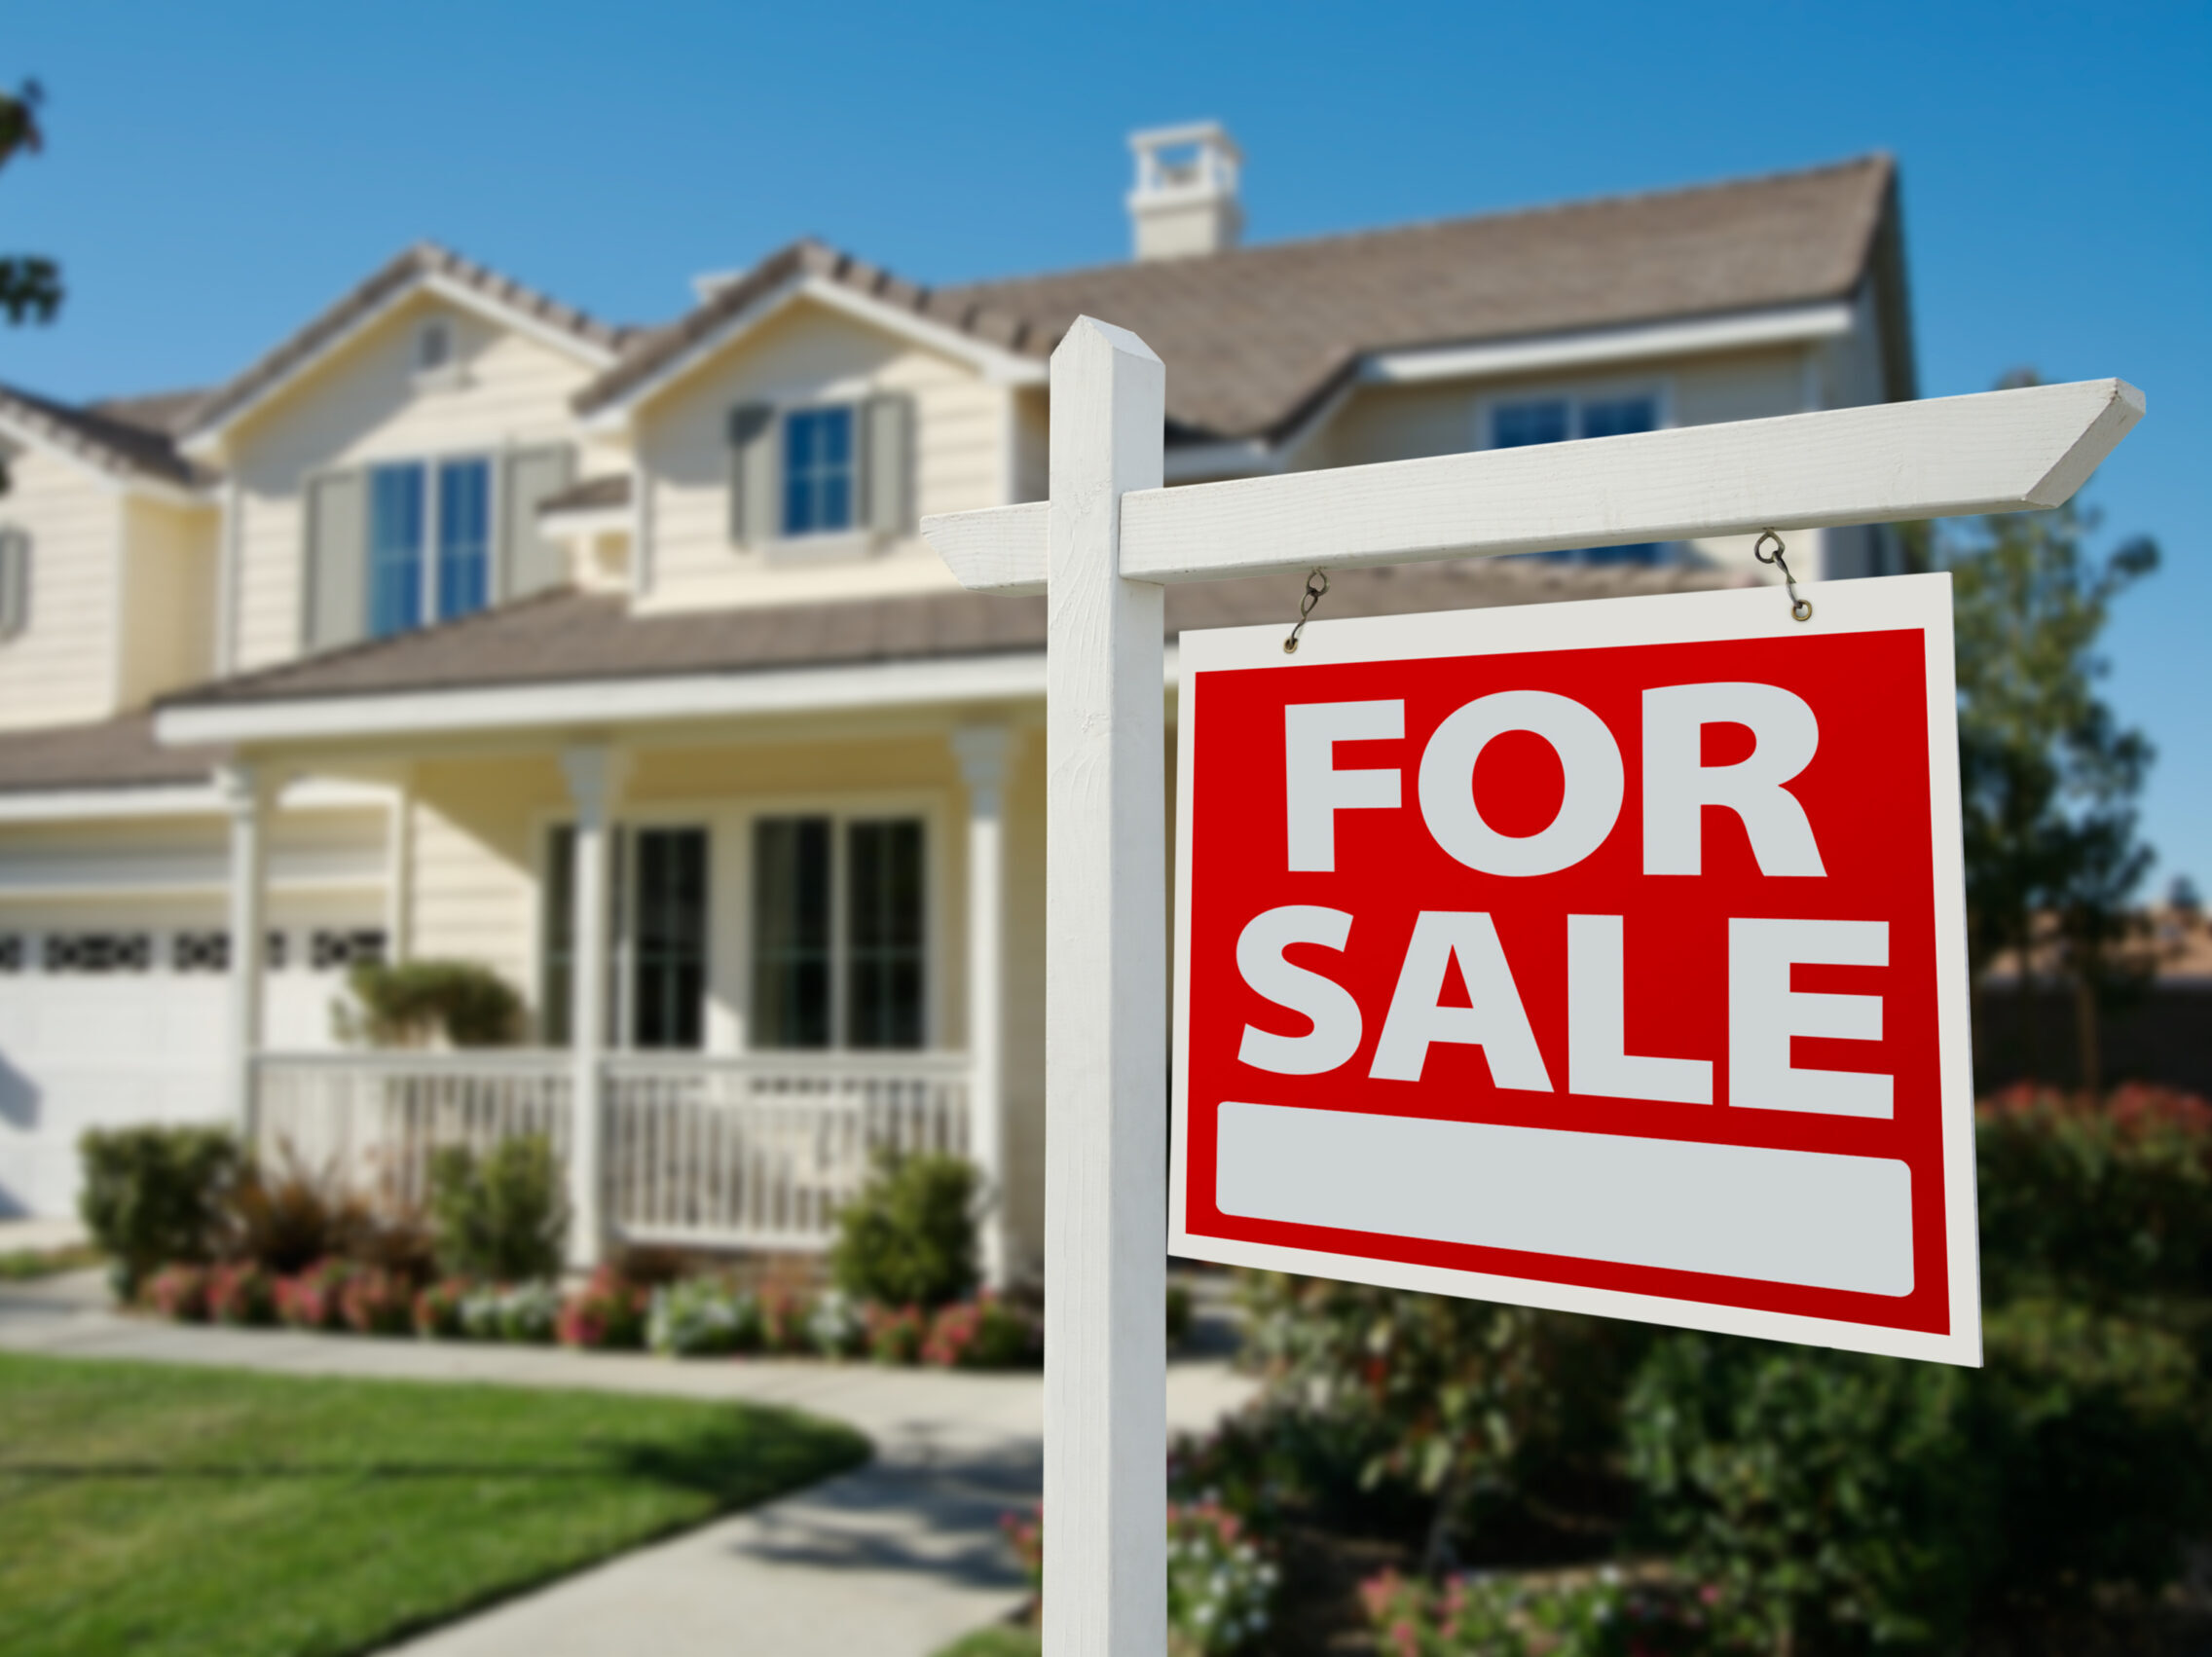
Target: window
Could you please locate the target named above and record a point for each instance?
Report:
(657, 913)
(433, 346)
(98, 953)
(395, 549)
(201, 952)
(1556, 420)
(400, 510)
(668, 939)
(838, 920)
(332, 949)
(464, 538)
(14, 582)
(818, 471)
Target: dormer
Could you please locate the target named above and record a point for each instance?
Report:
(1184, 203)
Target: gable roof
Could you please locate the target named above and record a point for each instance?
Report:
(124, 438)
(422, 263)
(1256, 335)
(109, 754)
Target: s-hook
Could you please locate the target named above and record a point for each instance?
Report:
(1314, 596)
(1801, 609)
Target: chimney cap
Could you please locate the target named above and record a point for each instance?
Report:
(1184, 203)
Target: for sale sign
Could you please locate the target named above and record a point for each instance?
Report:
(1607, 957)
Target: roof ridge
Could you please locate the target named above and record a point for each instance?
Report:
(1871, 158)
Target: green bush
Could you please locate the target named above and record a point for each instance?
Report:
(154, 1194)
(908, 1238)
(502, 1216)
(410, 1004)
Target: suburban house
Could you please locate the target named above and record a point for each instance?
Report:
(463, 625)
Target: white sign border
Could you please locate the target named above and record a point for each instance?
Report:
(1888, 604)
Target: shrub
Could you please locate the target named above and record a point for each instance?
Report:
(525, 1312)
(286, 1218)
(310, 1299)
(835, 1327)
(239, 1292)
(154, 1194)
(415, 1002)
(1221, 1581)
(375, 1302)
(437, 1308)
(702, 1317)
(179, 1291)
(895, 1333)
(501, 1216)
(785, 1314)
(908, 1238)
(1584, 1614)
(607, 1313)
(982, 1334)
(1178, 1316)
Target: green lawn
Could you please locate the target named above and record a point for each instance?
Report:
(996, 1640)
(18, 1265)
(156, 1511)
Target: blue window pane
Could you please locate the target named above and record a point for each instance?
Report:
(1619, 416)
(464, 538)
(395, 549)
(1516, 425)
(818, 471)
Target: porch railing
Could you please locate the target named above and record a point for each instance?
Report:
(757, 1151)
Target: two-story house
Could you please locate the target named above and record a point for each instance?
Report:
(611, 659)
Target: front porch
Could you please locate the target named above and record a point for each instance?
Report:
(755, 955)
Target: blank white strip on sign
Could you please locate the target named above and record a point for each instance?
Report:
(1804, 1217)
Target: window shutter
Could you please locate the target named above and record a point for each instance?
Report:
(530, 562)
(886, 464)
(336, 559)
(14, 582)
(753, 483)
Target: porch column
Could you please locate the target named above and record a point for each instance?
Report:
(595, 783)
(983, 752)
(246, 791)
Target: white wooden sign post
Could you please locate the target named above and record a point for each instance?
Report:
(1102, 548)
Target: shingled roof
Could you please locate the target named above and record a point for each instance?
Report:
(566, 636)
(111, 753)
(127, 438)
(1256, 335)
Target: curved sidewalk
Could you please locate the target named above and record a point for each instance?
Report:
(891, 1561)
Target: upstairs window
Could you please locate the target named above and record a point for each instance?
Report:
(818, 471)
(406, 584)
(1559, 420)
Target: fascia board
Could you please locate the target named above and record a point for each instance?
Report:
(1739, 331)
(596, 703)
(178, 799)
(208, 442)
(998, 367)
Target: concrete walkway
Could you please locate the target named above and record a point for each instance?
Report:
(891, 1561)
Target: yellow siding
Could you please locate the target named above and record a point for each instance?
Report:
(473, 888)
(60, 669)
(169, 598)
(362, 407)
(809, 355)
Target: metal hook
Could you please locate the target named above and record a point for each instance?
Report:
(1314, 596)
(1801, 609)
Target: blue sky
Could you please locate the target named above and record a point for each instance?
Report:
(216, 172)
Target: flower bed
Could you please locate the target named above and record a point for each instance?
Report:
(693, 1317)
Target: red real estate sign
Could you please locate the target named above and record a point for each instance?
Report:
(1606, 956)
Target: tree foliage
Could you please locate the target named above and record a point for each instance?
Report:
(30, 286)
(2049, 776)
